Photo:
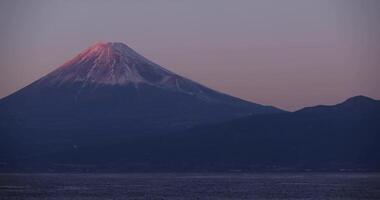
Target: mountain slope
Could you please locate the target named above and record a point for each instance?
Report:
(111, 84)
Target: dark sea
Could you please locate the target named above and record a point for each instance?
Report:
(311, 186)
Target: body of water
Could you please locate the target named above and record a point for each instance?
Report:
(312, 186)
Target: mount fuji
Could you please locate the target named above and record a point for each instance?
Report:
(110, 88)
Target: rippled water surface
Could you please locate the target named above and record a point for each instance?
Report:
(310, 186)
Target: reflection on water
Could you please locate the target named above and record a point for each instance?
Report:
(190, 186)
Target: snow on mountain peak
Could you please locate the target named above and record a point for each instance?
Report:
(111, 63)
(115, 63)
(110, 51)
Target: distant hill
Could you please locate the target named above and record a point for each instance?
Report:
(339, 137)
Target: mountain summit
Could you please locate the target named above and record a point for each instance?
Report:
(112, 64)
(109, 86)
(116, 64)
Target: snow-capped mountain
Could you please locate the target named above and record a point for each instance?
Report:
(113, 64)
(111, 87)
(116, 64)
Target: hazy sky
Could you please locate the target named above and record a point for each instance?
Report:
(286, 53)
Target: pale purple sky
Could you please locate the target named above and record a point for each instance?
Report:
(286, 53)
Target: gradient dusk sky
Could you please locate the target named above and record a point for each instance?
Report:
(286, 53)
